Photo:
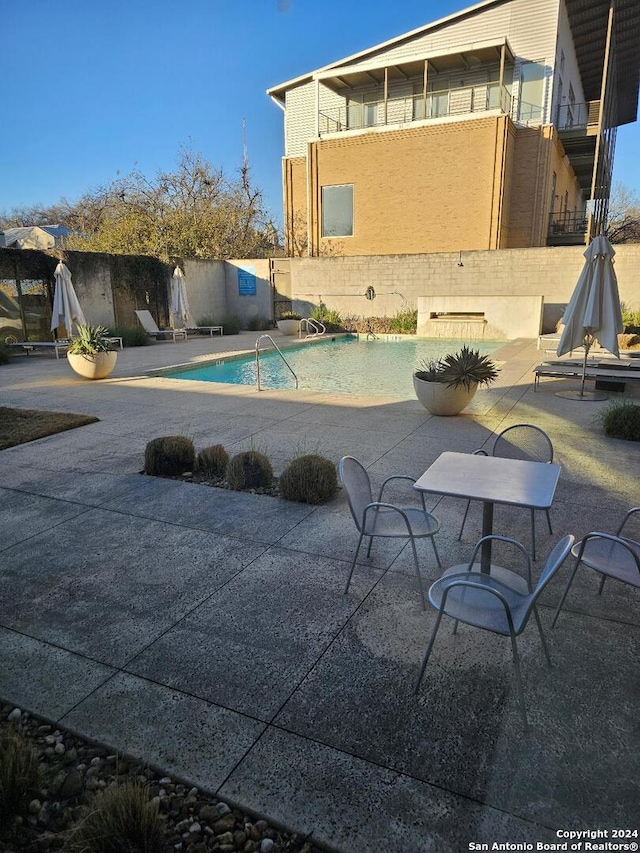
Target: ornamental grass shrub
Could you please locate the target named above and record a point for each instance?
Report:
(310, 479)
(122, 819)
(169, 455)
(259, 324)
(249, 470)
(230, 325)
(212, 461)
(621, 419)
(132, 336)
(18, 775)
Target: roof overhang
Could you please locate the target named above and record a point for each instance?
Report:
(588, 20)
(465, 57)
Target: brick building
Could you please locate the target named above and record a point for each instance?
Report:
(492, 128)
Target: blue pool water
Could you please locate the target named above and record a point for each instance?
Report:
(380, 367)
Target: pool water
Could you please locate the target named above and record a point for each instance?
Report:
(381, 367)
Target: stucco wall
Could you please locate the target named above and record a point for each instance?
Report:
(205, 283)
(247, 307)
(401, 279)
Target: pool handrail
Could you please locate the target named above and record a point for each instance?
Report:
(310, 323)
(274, 344)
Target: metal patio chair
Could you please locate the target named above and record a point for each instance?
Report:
(484, 601)
(611, 555)
(377, 518)
(526, 442)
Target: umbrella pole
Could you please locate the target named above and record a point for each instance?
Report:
(584, 369)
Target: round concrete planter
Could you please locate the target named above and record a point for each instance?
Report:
(439, 399)
(96, 366)
(289, 327)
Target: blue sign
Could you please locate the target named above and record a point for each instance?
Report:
(247, 281)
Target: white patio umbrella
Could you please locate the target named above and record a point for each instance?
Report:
(66, 308)
(180, 311)
(593, 313)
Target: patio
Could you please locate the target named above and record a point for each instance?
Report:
(207, 632)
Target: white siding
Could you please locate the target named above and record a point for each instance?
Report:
(529, 25)
(570, 74)
(300, 119)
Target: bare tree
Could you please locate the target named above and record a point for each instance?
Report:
(623, 222)
(192, 211)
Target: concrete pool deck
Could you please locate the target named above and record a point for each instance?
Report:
(207, 633)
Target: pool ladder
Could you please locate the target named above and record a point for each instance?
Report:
(258, 351)
(313, 327)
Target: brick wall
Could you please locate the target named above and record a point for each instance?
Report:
(429, 188)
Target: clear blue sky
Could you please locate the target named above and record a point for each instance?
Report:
(93, 88)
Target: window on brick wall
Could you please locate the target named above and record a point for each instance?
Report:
(337, 211)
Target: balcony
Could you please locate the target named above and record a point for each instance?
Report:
(466, 100)
(577, 126)
(567, 228)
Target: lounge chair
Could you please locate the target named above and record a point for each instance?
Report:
(151, 328)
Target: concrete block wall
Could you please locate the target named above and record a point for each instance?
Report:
(400, 280)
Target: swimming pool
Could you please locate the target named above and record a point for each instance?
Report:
(382, 367)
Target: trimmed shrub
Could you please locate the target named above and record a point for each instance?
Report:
(230, 325)
(621, 419)
(249, 470)
(122, 818)
(309, 479)
(18, 775)
(4, 354)
(169, 455)
(132, 336)
(212, 461)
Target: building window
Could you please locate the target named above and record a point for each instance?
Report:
(531, 91)
(337, 211)
(362, 110)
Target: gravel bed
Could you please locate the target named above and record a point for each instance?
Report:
(72, 771)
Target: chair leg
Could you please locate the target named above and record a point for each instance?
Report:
(601, 587)
(428, 652)
(370, 544)
(466, 512)
(415, 558)
(435, 551)
(564, 595)
(542, 637)
(353, 565)
(549, 522)
(516, 667)
(533, 534)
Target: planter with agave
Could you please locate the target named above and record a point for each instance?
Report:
(289, 323)
(90, 353)
(447, 385)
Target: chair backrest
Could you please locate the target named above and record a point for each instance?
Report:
(524, 441)
(357, 485)
(556, 558)
(147, 321)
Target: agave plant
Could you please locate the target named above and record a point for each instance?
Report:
(90, 340)
(466, 367)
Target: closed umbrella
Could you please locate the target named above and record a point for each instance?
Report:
(66, 308)
(180, 312)
(593, 313)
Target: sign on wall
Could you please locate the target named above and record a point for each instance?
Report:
(247, 281)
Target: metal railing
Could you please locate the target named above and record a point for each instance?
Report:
(578, 116)
(258, 351)
(566, 223)
(317, 328)
(438, 104)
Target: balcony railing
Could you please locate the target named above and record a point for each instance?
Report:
(578, 116)
(439, 104)
(568, 227)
